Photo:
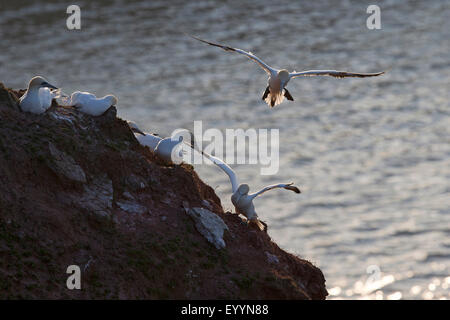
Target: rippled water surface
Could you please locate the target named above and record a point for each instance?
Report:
(372, 156)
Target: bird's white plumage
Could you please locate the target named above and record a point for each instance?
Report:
(46, 96)
(226, 168)
(148, 140)
(38, 97)
(170, 149)
(269, 70)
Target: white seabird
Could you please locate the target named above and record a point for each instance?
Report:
(38, 97)
(278, 79)
(241, 199)
(88, 103)
(169, 149)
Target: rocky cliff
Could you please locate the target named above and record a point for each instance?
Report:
(80, 190)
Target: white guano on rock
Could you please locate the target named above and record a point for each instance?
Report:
(209, 224)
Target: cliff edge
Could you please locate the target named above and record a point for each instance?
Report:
(80, 190)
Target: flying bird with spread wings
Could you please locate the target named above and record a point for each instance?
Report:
(278, 79)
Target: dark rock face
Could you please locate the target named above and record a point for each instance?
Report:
(80, 190)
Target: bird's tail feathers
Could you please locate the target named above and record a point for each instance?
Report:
(274, 99)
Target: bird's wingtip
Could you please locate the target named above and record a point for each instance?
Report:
(195, 37)
(291, 187)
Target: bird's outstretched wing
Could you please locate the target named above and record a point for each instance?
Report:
(333, 73)
(227, 169)
(287, 186)
(261, 63)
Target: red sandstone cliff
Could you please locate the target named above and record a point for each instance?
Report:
(76, 189)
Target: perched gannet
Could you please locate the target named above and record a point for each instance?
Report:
(88, 103)
(169, 149)
(278, 79)
(38, 97)
(241, 199)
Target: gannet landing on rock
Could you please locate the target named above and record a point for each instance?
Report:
(88, 103)
(278, 79)
(38, 97)
(241, 199)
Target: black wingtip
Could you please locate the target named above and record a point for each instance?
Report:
(293, 188)
(288, 95)
(226, 48)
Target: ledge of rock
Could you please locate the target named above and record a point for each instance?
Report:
(80, 190)
(209, 224)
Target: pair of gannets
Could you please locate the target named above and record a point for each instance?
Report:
(278, 79)
(169, 150)
(39, 95)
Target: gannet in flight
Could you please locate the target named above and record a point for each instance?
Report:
(278, 79)
(241, 199)
(168, 148)
(38, 97)
(88, 103)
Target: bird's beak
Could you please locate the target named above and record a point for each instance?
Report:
(48, 85)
